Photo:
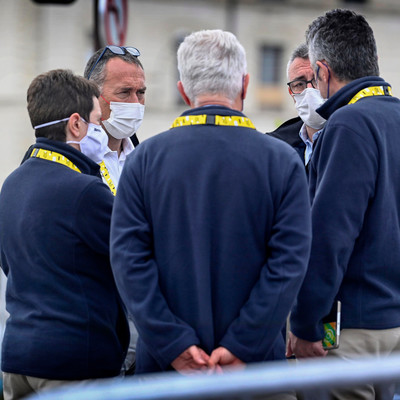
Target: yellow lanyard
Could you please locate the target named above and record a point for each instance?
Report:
(59, 158)
(224, 120)
(55, 157)
(106, 175)
(372, 91)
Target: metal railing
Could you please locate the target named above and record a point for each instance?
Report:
(308, 377)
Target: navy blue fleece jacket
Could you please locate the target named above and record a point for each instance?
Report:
(66, 318)
(355, 194)
(210, 240)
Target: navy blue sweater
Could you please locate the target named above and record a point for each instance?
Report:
(355, 194)
(210, 240)
(66, 318)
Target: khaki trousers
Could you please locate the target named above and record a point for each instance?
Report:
(356, 343)
(17, 386)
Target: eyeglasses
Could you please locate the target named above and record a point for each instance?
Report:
(116, 50)
(298, 85)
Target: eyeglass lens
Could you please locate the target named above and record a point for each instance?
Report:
(300, 85)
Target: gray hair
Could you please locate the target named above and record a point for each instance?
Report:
(98, 75)
(346, 41)
(300, 51)
(212, 62)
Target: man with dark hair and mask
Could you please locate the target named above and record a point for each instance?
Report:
(67, 323)
(355, 202)
(120, 77)
(300, 132)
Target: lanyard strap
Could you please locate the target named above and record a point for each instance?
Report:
(106, 175)
(59, 158)
(372, 91)
(55, 157)
(204, 119)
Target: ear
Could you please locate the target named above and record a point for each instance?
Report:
(73, 127)
(183, 94)
(291, 94)
(246, 80)
(324, 72)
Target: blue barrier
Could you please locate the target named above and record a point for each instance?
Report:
(260, 379)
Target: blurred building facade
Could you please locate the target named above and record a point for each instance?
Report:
(37, 38)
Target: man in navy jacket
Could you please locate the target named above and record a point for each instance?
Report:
(355, 194)
(210, 231)
(66, 319)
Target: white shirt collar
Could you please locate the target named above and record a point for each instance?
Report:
(127, 148)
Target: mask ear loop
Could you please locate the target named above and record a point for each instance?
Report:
(106, 102)
(104, 99)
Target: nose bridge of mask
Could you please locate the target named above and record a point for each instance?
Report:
(125, 119)
(127, 110)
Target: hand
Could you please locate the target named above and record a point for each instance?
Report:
(191, 361)
(303, 348)
(222, 357)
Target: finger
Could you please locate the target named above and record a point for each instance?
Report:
(204, 355)
(320, 352)
(211, 364)
(214, 358)
(289, 350)
(197, 356)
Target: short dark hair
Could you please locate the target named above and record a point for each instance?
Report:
(56, 95)
(301, 51)
(98, 75)
(346, 41)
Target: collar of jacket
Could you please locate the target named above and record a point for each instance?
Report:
(346, 93)
(213, 110)
(84, 163)
(289, 132)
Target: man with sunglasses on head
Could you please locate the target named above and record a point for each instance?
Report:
(119, 74)
(67, 323)
(301, 132)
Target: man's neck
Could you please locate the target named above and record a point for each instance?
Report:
(310, 132)
(115, 144)
(336, 85)
(218, 100)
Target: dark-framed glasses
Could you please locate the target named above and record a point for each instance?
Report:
(298, 85)
(116, 50)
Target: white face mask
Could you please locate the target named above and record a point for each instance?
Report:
(125, 119)
(306, 103)
(94, 144)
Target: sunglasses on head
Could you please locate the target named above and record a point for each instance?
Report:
(115, 50)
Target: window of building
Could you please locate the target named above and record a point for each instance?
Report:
(271, 64)
(269, 91)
